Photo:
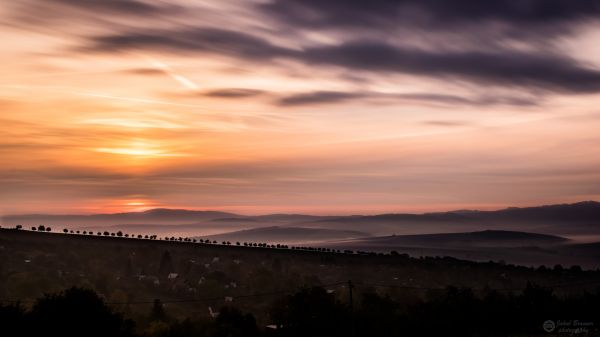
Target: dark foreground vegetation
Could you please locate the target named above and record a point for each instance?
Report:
(138, 287)
(315, 312)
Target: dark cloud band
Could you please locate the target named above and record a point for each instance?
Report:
(430, 14)
(502, 67)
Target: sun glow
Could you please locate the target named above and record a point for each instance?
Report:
(139, 149)
(136, 203)
(135, 206)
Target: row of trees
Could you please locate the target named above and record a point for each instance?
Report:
(214, 242)
(205, 241)
(41, 228)
(107, 233)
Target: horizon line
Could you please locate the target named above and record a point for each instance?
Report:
(303, 214)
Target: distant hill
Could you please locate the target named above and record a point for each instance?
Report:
(487, 238)
(580, 219)
(510, 246)
(581, 212)
(154, 216)
(278, 234)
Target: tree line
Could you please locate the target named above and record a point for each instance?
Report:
(120, 234)
(315, 311)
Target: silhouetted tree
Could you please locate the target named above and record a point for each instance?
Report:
(233, 323)
(13, 320)
(157, 313)
(86, 312)
(310, 312)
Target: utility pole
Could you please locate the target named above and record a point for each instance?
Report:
(352, 329)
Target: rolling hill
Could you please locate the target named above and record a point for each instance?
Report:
(487, 238)
(288, 235)
(580, 220)
(160, 216)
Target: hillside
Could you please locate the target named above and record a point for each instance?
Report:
(487, 238)
(196, 279)
(510, 246)
(288, 235)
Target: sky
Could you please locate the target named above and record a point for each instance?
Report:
(298, 106)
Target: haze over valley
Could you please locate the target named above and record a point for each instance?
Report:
(566, 233)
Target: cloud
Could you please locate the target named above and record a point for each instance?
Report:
(62, 9)
(500, 67)
(331, 97)
(114, 6)
(199, 39)
(318, 97)
(543, 17)
(387, 51)
(233, 93)
(61, 16)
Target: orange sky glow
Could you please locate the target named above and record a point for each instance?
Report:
(106, 109)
